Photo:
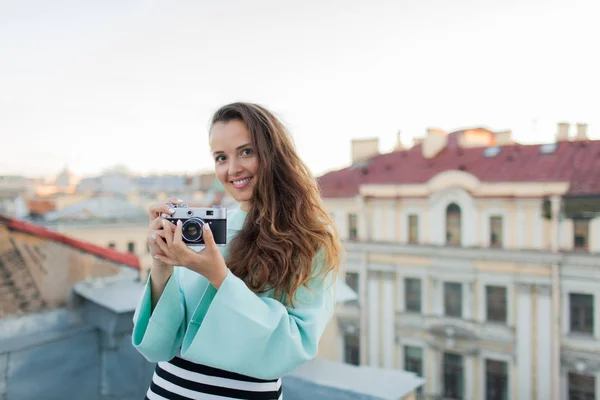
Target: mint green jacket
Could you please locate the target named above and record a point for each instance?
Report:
(233, 328)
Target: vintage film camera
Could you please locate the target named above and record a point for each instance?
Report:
(194, 218)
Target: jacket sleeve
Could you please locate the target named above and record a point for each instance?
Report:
(157, 334)
(236, 330)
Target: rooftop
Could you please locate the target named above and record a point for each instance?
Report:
(574, 162)
(38, 267)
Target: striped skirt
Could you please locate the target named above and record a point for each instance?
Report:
(181, 379)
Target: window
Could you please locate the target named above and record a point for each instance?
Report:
(581, 233)
(131, 247)
(496, 231)
(453, 228)
(582, 387)
(496, 380)
(352, 348)
(453, 376)
(413, 228)
(111, 245)
(496, 303)
(412, 294)
(352, 227)
(352, 280)
(413, 361)
(582, 313)
(453, 299)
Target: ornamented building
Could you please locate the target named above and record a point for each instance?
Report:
(476, 260)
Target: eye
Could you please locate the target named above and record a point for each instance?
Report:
(247, 152)
(220, 158)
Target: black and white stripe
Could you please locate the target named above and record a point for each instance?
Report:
(181, 379)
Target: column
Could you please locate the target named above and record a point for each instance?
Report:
(388, 320)
(378, 222)
(544, 342)
(520, 226)
(467, 306)
(363, 229)
(374, 325)
(438, 297)
(538, 226)
(596, 303)
(433, 374)
(364, 307)
(524, 340)
(390, 222)
(469, 377)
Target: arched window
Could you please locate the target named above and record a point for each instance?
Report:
(453, 225)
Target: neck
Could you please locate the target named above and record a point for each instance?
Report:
(245, 206)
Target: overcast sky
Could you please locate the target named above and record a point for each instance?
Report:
(91, 84)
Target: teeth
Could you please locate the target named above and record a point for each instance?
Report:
(241, 182)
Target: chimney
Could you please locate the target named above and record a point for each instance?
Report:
(562, 135)
(434, 142)
(503, 138)
(581, 132)
(399, 145)
(363, 149)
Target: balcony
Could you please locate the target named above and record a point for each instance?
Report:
(443, 329)
(473, 253)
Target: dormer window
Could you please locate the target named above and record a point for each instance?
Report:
(490, 152)
(453, 225)
(548, 148)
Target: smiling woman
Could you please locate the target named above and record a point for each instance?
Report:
(236, 161)
(229, 322)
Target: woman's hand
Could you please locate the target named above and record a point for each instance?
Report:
(155, 213)
(209, 262)
(160, 272)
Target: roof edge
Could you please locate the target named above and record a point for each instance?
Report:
(127, 259)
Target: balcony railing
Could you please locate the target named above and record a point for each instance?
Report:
(476, 253)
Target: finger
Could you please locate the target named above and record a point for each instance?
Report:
(162, 245)
(156, 210)
(209, 240)
(177, 236)
(175, 200)
(168, 229)
(164, 260)
(156, 223)
(157, 233)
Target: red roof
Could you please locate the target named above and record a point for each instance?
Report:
(128, 259)
(576, 162)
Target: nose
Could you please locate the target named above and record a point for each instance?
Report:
(235, 167)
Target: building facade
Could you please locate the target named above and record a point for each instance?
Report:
(475, 259)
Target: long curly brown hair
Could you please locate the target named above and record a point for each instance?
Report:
(286, 224)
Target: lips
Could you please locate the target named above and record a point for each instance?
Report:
(240, 183)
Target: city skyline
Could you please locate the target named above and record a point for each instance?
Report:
(97, 85)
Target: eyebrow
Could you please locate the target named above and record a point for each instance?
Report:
(237, 148)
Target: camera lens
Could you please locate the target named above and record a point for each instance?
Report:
(192, 229)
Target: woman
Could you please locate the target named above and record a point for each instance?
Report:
(230, 322)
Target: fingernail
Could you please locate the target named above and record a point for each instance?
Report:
(179, 201)
(153, 236)
(206, 227)
(156, 257)
(163, 222)
(171, 211)
(178, 222)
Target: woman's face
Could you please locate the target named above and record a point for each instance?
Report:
(236, 160)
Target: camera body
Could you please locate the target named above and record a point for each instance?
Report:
(193, 220)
